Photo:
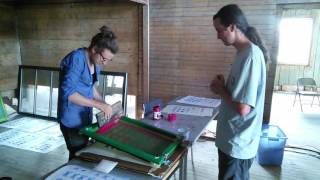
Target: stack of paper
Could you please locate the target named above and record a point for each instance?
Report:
(200, 101)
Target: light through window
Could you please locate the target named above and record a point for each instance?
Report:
(295, 41)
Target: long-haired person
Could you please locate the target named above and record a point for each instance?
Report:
(241, 111)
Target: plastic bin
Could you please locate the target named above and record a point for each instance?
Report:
(271, 146)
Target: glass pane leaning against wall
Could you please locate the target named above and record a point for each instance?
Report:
(38, 91)
(42, 92)
(113, 87)
(27, 89)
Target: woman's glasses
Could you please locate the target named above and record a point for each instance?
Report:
(104, 59)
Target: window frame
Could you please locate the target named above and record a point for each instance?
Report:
(20, 78)
(56, 69)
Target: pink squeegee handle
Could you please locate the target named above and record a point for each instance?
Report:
(110, 125)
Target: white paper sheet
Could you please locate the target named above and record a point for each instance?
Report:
(9, 110)
(10, 134)
(200, 101)
(38, 142)
(53, 131)
(72, 172)
(188, 110)
(105, 166)
(28, 124)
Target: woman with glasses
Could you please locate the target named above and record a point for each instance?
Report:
(77, 91)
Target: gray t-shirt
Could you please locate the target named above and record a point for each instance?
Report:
(239, 136)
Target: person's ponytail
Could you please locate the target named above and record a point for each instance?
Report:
(253, 35)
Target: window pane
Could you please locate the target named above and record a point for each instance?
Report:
(55, 90)
(131, 106)
(114, 89)
(43, 93)
(295, 41)
(27, 90)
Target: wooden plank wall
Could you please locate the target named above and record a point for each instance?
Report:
(47, 32)
(185, 54)
(9, 51)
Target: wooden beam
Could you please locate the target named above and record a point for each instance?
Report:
(146, 67)
(146, 2)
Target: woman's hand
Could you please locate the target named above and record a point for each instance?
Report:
(107, 109)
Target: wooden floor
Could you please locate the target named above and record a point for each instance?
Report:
(301, 129)
(294, 166)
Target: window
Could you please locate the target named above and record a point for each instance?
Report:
(38, 91)
(113, 87)
(39, 88)
(295, 41)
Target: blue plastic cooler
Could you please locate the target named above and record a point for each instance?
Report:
(271, 146)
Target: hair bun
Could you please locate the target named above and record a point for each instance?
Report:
(106, 32)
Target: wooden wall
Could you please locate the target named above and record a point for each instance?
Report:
(185, 54)
(48, 32)
(9, 51)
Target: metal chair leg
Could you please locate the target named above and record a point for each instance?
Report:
(300, 103)
(312, 101)
(294, 101)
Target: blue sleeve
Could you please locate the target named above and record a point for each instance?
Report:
(72, 68)
(248, 81)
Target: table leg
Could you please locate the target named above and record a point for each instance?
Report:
(183, 166)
